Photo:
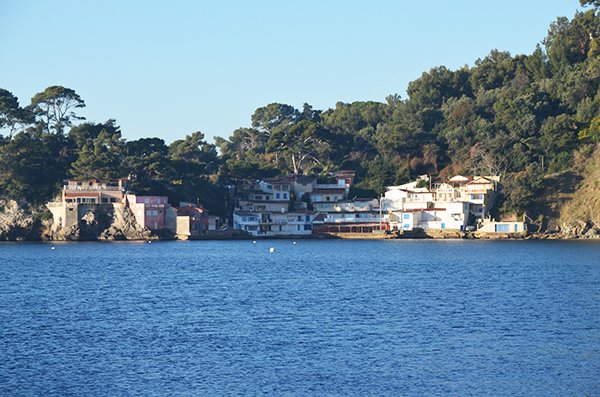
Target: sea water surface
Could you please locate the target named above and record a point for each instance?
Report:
(417, 318)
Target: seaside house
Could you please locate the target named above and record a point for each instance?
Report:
(453, 216)
(489, 226)
(289, 205)
(268, 209)
(152, 212)
(452, 204)
(80, 196)
(194, 221)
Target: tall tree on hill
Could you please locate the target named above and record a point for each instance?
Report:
(11, 114)
(303, 145)
(54, 108)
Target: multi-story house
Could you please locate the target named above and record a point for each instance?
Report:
(152, 212)
(79, 196)
(194, 221)
(448, 205)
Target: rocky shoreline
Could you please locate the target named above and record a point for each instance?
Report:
(25, 223)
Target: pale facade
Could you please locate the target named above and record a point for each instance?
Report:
(80, 196)
(149, 211)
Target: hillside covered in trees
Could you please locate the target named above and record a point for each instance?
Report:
(533, 119)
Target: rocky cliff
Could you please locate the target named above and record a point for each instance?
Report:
(580, 215)
(20, 222)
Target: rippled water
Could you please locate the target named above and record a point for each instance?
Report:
(415, 318)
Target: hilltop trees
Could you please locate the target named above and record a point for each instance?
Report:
(54, 108)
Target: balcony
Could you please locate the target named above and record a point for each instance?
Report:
(92, 188)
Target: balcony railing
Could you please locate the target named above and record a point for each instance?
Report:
(92, 188)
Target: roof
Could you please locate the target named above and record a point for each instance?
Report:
(71, 193)
(304, 179)
(329, 191)
(480, 180)
(376, 212)
(189, 210)
(267, 201)
(321, 217)
(420, 210)
(277, 181)
(459, 178)
(245, 213)
(346, 172)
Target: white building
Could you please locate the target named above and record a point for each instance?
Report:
(452, 216)
(273, 224)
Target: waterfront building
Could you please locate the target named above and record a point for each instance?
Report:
(452, 204)
(80, 196)
(152, 212)
(288, 206)
(193, 221)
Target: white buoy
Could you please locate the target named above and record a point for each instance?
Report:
(294, 242)
(149, 242)
(52, 248)
(271, 249)
(254, 242)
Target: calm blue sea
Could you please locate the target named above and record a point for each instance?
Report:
(416, 318)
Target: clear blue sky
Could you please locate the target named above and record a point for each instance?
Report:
(169, 68)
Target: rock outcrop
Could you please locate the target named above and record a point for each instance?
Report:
(18, 223)
(101, 222)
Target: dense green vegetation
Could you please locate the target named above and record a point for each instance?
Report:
(521, 117)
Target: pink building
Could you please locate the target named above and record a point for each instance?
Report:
(149, 211)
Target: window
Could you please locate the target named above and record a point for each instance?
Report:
(104, 200)
(298, 227)
(258, 197)
(277, 195)
(299, 218)
(307, 227)
(285, 196)
(252, 228)
(405, 216)
(327, 198)
(307, 218)
(113, 200)
(270, 187)
(503, 227)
